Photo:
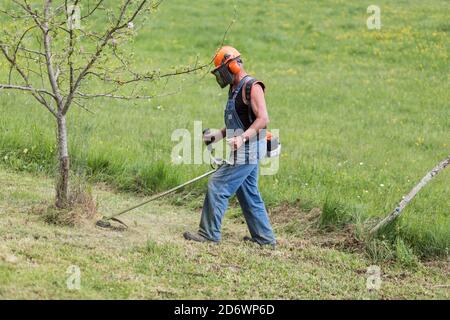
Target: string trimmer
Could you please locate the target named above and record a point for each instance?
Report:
(215, 164)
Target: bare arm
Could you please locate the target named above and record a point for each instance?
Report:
(258, 103)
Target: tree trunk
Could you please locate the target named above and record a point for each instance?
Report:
(62, 185)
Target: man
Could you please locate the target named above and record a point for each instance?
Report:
(246, 119)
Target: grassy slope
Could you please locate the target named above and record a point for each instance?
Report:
(363, 114)
(151, 260)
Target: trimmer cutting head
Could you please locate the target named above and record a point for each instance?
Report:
(105, 223)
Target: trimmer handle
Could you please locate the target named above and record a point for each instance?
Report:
(208, 142)
(215, 162)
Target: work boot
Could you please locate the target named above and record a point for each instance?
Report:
(195, 237)
(250, 239)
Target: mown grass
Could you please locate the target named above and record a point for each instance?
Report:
(363, 115)
(151, 260)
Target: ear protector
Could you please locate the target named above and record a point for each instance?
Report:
(234, 66)
(224, 73)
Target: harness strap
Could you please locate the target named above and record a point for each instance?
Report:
(248, 97)
(248, 90)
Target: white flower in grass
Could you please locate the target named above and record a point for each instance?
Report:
(130, 25)
(361, 163)
(25, 150)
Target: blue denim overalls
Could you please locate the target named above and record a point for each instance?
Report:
(240, 179)
(253, 150)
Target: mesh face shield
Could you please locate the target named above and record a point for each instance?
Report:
(223, 75)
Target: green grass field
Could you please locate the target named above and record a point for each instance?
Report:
(363, 115)
(151, 260)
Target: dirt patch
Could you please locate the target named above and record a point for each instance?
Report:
(286, 213)
(302, 228)
(344, 239)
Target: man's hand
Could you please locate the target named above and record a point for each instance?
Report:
(236, 142)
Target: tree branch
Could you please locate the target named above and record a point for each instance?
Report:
(24, 49)
(48, 55)
(106, 38)
(30, 11)
(33, 91)
(36, 94)
(113, 96)
(146, 77)
(121, 97)
(12, 86)
(93, 10)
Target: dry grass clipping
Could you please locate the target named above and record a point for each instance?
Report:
(81, 207)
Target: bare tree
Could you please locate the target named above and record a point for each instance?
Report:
(58, 52)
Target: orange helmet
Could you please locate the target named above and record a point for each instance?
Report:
(225, 55)
(226, 62)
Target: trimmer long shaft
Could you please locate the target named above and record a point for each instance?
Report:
(162, 194)
(214, 162)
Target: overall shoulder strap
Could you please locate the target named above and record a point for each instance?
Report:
(239, 86)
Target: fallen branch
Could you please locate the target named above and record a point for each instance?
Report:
(397, 211)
